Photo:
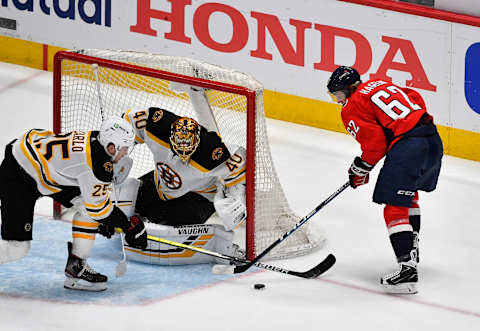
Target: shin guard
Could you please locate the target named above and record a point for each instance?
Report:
(400, 231)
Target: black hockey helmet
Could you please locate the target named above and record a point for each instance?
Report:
(340, 81)
(342, 78)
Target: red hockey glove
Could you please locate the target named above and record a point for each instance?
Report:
(359, 171)
(135, 234)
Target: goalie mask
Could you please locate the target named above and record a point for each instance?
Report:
(117, 131)
(185, 137)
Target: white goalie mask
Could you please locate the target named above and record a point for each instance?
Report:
(115, 130)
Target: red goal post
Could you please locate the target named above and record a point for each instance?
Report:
(140, 80)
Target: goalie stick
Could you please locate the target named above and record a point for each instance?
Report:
(242, 268)
(316, 271)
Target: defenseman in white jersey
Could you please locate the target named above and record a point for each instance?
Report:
(72, 168)
(195, 175)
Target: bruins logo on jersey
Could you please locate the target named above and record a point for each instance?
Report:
(108, 166)
(217, 153)
(157, 116)
(168, 176)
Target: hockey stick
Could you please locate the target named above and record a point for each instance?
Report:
(122, 265)
(242, 268)
(228, 269)
(99, 94)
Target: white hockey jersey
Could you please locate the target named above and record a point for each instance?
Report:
(210, 163)
(68, 164)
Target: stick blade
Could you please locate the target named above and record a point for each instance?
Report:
(241, 268)
(320, 268)
(121, 269)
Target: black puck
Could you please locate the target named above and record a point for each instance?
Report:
(259, 286)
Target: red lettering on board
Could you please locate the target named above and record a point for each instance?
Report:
(239, 23)
(291, 51)
(412, 64)
(176, 17)
(272, 23)
(363, 58)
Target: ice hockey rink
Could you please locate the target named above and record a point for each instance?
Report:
(312, 164)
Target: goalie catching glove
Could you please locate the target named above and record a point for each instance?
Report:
(230, 205)
(359, 172)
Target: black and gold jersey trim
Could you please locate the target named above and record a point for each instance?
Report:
(100, 210)
(236, 177)
(101, 162)
(37, 160)
(210, 153)
(159, 124)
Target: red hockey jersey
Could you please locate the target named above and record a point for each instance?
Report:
(378, 114)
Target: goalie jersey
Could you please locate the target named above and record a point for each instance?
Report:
(210, 162)
(68, 165)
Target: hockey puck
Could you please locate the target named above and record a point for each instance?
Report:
(259, 286)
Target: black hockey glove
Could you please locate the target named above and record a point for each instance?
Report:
(135, 234)
(359, 172)
(106, 230)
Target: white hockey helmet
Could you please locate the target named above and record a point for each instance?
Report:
(115, 130)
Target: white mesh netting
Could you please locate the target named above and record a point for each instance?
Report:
(120, 91)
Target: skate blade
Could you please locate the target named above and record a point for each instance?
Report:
(405, 288)
(82, 285)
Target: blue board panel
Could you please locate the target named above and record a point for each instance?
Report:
(40, 274)
(472, 77)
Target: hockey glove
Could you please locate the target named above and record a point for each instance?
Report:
(230, 205)
(106, 230)
(359, 172)
(135, 234)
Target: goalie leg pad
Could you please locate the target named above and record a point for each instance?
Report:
(13, 250)
(209, 236)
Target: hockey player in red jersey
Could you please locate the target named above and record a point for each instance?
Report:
(391, 121)
(75, 168)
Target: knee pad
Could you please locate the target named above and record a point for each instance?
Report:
(125, 195)
(212, 237)
(13, 250)
(396, 219)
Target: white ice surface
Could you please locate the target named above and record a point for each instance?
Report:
(312, 164)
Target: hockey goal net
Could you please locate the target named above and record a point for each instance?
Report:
(132, 80)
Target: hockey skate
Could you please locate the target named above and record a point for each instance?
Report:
(80, 276)
(404, 280)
